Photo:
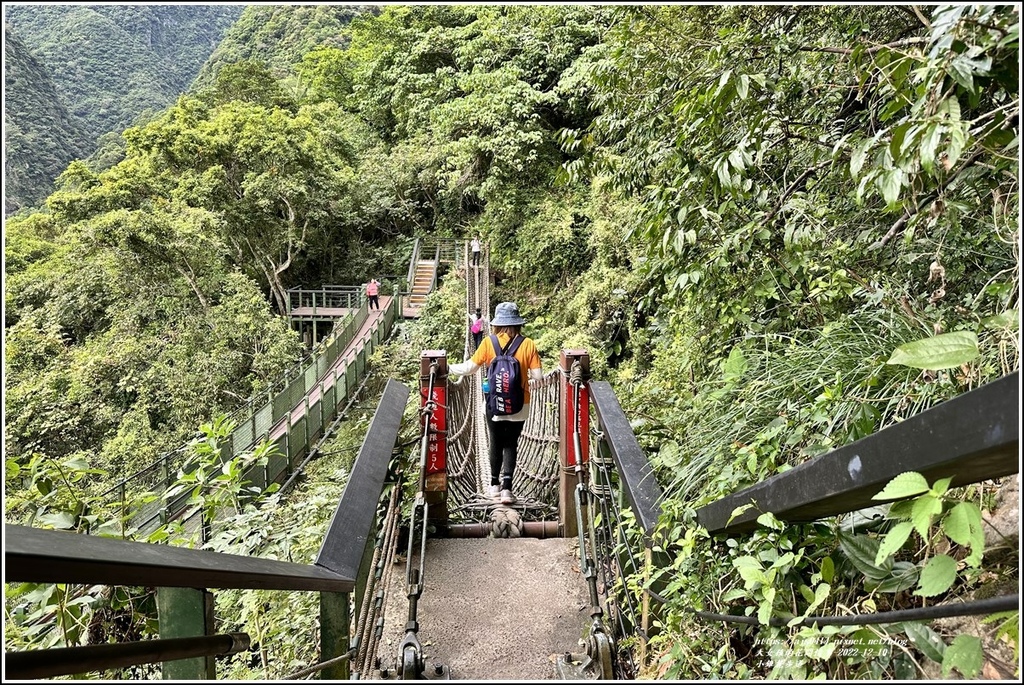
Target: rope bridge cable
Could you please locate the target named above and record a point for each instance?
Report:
(372, 606)
(318, 667)
(615, 549)
(537, 471)
(469, 470)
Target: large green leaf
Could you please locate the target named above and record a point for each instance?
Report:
(893, 541)
(937, 576)
(958, 523)
(944, 351)
(907, 484)
(926, 640)
(964, 655)
(61, 520)
(861, 550)
(903, 577)
(924, 509)
(1008, 319)
(735, 366)
(828, 569)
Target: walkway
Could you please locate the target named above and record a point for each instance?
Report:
(344, 359)
(492, 608)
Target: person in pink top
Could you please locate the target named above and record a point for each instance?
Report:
(372, 290)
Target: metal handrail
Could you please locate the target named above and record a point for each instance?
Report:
(412, 264)
(635, 470)
(47, 663)
(50, 556)
(437, 267)
(970, 438)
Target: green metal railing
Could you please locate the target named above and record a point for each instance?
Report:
(270, 416)
(188, 640)
(326, 297)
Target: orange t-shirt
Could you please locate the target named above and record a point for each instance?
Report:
(526, 354)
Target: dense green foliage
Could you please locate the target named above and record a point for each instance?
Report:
(777, 229)
(278, 36)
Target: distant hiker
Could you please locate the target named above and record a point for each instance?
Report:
(476, 327)
(372, 290)
(504, 428)
(474, 245)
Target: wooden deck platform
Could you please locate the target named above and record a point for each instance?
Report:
(319, 313)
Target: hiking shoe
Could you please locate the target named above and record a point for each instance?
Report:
(507, 497)
(493, 492)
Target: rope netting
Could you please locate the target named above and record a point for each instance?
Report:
(535, 482)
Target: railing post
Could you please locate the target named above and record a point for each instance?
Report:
(334, 633)
(165, 472)
(436, 469)
(186, 612)
(321, 407)
(288, 441)
(573, 446)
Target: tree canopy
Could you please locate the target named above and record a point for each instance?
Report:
(760, 221)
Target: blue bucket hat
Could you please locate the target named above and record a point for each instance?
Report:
(507, 314)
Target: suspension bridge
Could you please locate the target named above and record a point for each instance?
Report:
(420, 574)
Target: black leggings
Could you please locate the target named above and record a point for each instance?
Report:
(374, 304)
(504, 449)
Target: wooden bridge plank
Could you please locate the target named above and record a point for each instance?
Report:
(973, 437)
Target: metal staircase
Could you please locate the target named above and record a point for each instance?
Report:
(423, 282)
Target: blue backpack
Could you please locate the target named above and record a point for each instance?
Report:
(504, 377)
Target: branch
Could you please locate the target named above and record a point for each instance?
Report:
(190, 278)
(927, 24)
(871, 50)
(927, 200)
(793, 188)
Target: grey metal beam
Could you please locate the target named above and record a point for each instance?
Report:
(642, 488)
(51, 556)
(352, 524)
(971, 438)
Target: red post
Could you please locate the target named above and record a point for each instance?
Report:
(435, 488)
(573, 444)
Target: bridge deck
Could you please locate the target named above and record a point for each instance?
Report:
(493, 609)
(344, 358)
(320, 312)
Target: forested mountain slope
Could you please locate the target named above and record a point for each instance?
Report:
(109, 64)
(279, 36)
(40, 136)
(742, 212)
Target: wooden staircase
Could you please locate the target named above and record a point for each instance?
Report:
(422, 283)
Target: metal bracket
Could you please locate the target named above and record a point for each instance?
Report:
(596, 664)
(412, 665)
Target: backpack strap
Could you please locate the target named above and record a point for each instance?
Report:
(511, 348)
(513, 345)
